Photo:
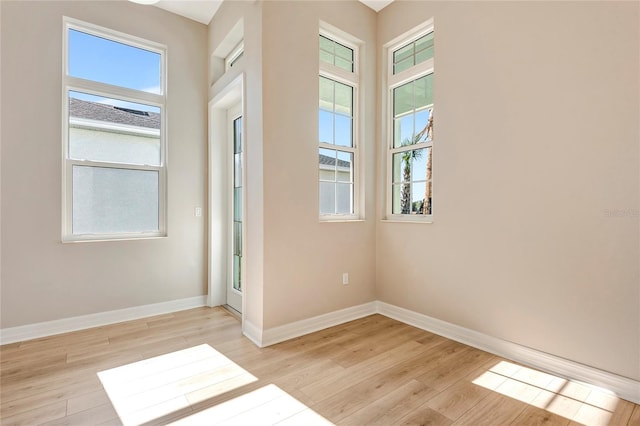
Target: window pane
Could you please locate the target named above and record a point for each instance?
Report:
(327, 165)
(403, 99)
(401, 195)
(106, 61)
(237, 170)
(237, 135)
(417, 197)
(403, 65)
(344, 64)
(237, 204)
(419, 166)
(403, 53)
(111, 130)
(327, 197)
(403, 130)
(108, 200)
(326, 57)
(326, 44)
(344, 168)
(424, 91)
(237, 272)
(344, 52)
(343, 198)
(401, 168)
(424, 48)
(326, 94)
(424, 42)
(343, 98)
(422, 119)
(424, 55)
(429, 199)
(237, 238)
(343, 131)
(336, 54)
(325, 126)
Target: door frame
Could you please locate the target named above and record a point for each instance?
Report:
(219, 189)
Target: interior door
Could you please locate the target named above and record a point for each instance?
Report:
(235, 279)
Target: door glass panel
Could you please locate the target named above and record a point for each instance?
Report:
(237, 204)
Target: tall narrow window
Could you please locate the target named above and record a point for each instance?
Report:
(337, 129)
(411, 126)
(114, 144)
(237, 204)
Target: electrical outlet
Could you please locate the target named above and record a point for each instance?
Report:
(345, 278)
(198, 211)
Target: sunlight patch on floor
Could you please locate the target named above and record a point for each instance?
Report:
(574, 401)
(268, 405)
(168, 389)
(167, 385)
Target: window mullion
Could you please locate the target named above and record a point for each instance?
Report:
(107, 90)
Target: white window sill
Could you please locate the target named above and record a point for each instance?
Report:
(337, 219)
(408, 220)
(101, 238)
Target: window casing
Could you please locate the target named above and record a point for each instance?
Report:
(234, 56)
(114, 139)
(410, 126)
(338, 164)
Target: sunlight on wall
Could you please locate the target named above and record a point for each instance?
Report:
(574, 401)
(188, 387)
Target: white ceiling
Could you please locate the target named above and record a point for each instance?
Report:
(203, 10)
(199, 10)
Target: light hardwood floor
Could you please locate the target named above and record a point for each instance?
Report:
(194, 367)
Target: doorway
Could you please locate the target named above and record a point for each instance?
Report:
(236, 144)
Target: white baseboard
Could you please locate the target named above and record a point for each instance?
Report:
(252, 332)
(281, 333)
(65, 325)
(623, 387)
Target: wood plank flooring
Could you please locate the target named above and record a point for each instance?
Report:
(195, 368)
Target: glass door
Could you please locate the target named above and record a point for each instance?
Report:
(236, 281)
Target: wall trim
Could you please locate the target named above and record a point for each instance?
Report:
(284, 332)
(252, 332)
(623, 387)
(65, 325)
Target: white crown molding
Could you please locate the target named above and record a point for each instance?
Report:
(65, 325)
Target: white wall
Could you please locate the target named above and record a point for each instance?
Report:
(43, 279)
(536, 138)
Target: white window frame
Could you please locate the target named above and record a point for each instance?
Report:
(75, 84)
(351, 79)
(393, 81)
(234, 56)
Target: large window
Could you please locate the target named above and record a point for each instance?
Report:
(410, 160)
(114, 142)
(337, 129)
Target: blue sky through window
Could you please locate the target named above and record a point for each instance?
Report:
(106, 61)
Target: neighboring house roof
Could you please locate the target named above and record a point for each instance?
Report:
(112, 114)
(331, 161)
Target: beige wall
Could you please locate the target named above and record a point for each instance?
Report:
(305, 259)
(250, 66)
(43, 279)
(294, 262)
(536, 138)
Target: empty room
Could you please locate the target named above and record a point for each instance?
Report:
(353, 212)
